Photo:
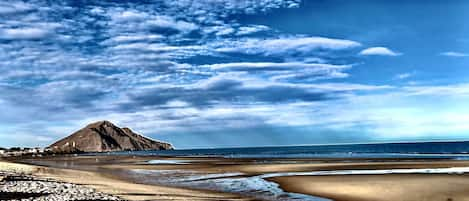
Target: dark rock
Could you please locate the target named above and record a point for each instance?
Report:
(104, 136)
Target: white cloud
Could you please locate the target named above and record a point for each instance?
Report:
(310, 75)
(129, 15)
(403, 76)
(404, 114)
(251, 29)
(225, 30)
(454, 54)
(169, 22)
(134, 38)
(104, 53)
(248, 81)
(213, 9)
(23, 33)
(381, 51)
(445, 90)
(279, 66)
(285, 71)
(14, 7)
(276, 46)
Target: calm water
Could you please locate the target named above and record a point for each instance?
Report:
(259, 186)
(454, 150)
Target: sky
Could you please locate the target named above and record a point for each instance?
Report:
(235, 73)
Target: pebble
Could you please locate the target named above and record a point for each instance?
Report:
(47, 189)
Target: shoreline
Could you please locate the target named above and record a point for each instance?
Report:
(207, 178)
(18, 182)
(117, 187)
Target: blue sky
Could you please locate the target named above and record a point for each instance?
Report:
(219, 73)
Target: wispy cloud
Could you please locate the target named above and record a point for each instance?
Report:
(289, 45)
(7, 8)
(403, 76)
(23, 33)
(273, 66)
(458, 90)
(246, 30)
(454, 54)
(286, 71)
(172, 65)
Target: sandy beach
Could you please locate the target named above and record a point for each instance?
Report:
(126, 190)
(408, 187)
(234, 100)
(134, 178)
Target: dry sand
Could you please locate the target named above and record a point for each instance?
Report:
(14, 167)
(132, 191)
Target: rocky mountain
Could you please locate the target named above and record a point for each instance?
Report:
(104, 136)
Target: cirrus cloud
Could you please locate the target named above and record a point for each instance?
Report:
(454, 54)
(288, 45)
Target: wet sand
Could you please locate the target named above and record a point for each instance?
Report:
(109, 175)
(124, 189)
(399, 187)
(133, 191)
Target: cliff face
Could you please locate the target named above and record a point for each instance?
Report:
(103, 136)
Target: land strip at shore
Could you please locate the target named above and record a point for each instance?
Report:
(392, 187)
(64, 184)
(364, 187)
(18, 183)
(107, 174)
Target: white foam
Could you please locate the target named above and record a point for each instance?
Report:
(186, 175)
(258, 187)
(168, 162)
(234, 182)
(212, 176)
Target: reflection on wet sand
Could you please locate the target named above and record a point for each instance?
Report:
(279, 179)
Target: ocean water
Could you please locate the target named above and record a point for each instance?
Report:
(262, 187)
(452, 150)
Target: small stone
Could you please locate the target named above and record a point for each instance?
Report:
(49, 189)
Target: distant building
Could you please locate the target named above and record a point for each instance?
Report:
(35, 150)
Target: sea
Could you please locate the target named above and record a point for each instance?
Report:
(261, 187)
(458, 150)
